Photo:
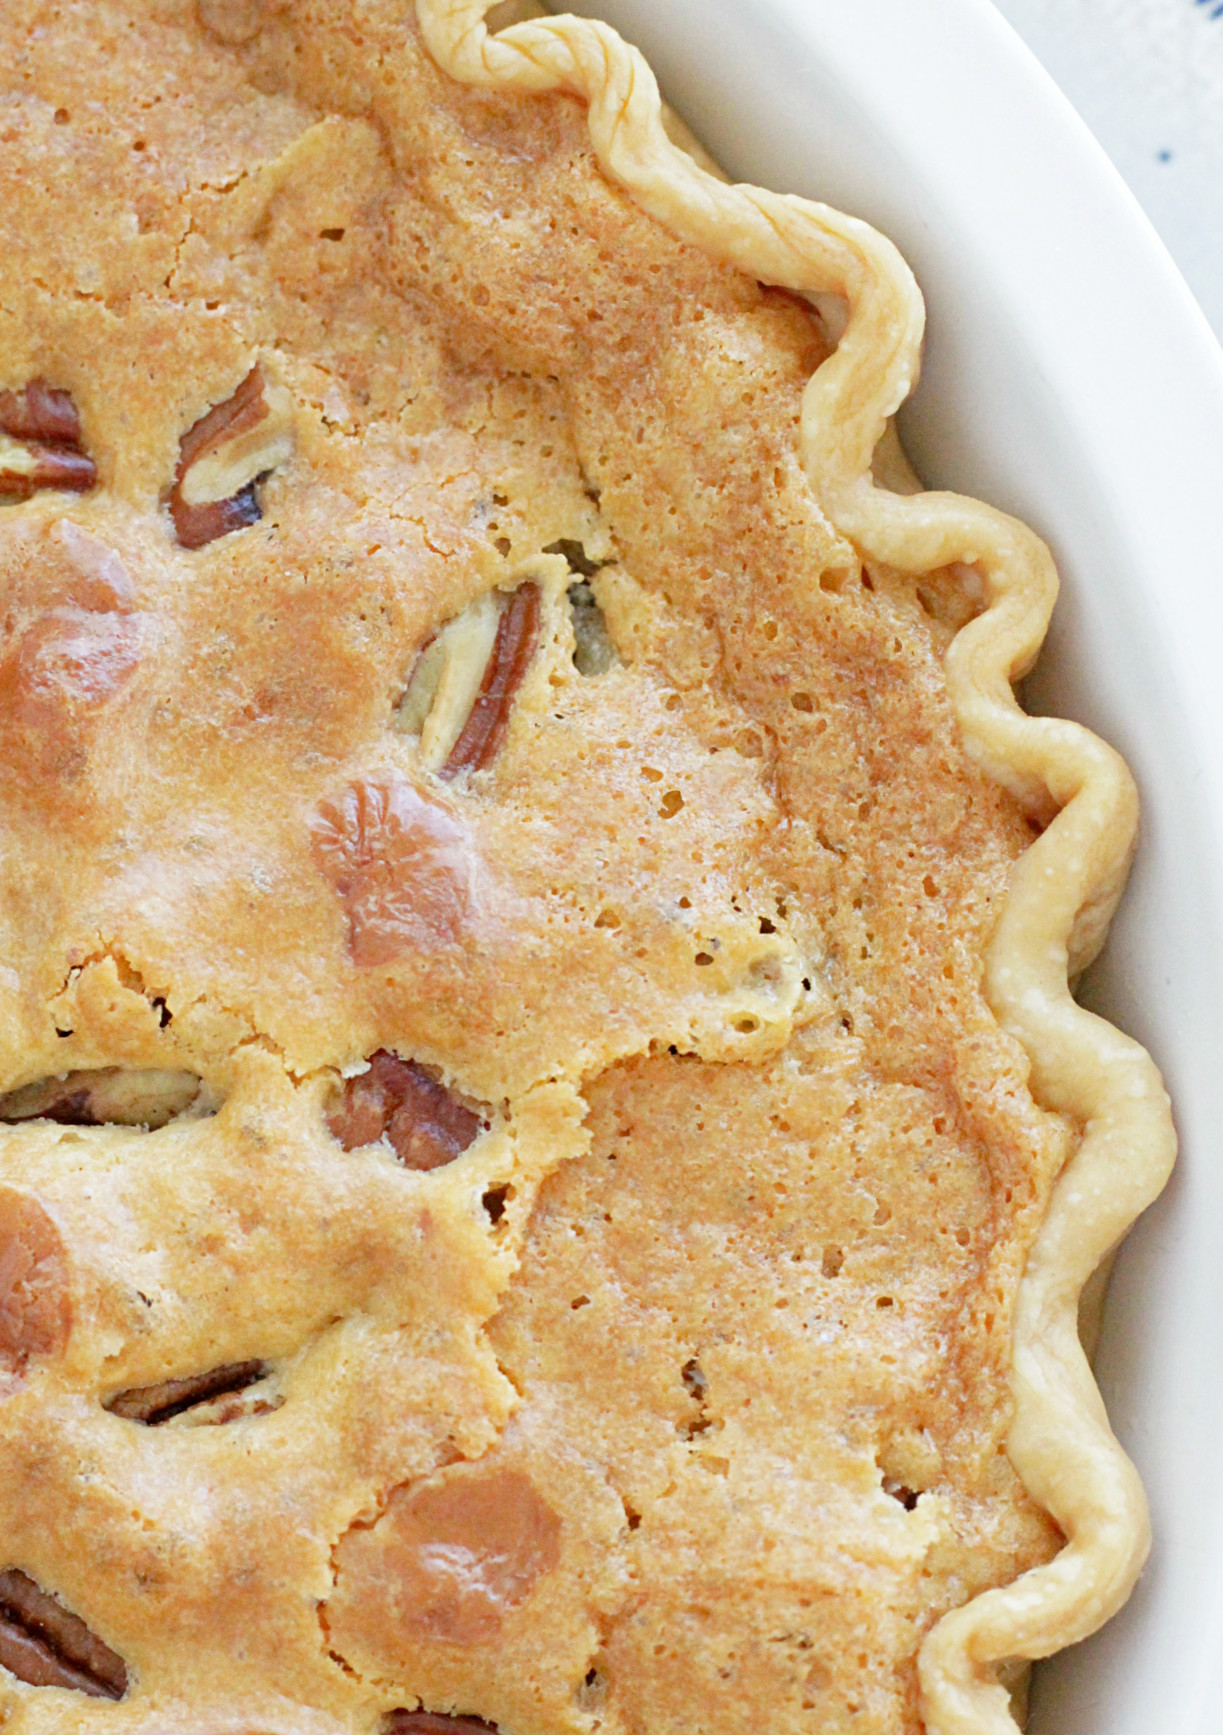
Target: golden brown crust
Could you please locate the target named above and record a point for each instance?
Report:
(712, 919)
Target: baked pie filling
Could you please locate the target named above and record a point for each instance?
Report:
(527, 1096)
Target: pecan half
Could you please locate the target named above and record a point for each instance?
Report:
(459, 695)
(398, 1100)
(434, 1723)
(221, 1395)
(222, 457)
(46, 1645)
(40, 443)
(109, 1096)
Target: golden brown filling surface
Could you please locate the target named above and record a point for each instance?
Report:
(512, 1199)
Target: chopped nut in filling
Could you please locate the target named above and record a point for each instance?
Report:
(224, 455)
(593, 650)
(223, 1394)
(40, 443)
(111, 1096)
(46, 1645)
(459, 696)
(398, 1101)
(434, 1723)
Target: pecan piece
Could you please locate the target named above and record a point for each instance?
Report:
(34, 1311)
(224, 455)
(220, 1395)
(593, 650)
(46, 1645)
(459, 695)
(397, 1100)
(40, 443)
(434, 1723)
(108, 1096)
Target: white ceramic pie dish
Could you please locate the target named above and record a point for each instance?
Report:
(1070, 379)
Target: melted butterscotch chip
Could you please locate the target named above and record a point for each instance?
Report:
(222, 457)
(434, 1723)
(401, 864)
(447, 1560)
(34, 1308)
(397, 1100)
(71, 641)
(70, 661)
(40, 443)
(46, 1645)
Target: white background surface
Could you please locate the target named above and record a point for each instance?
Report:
(1147, 77)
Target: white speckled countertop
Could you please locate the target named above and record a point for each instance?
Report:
(1147, 77)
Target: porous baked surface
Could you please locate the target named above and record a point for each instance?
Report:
(676, 1400)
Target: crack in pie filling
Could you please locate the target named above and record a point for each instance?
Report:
(548, 1158)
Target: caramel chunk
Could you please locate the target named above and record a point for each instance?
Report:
(434, 1723)
(110, 1096)
(34, 1311)
(401, 864)
(153, 1405)
(593, 650)
(397, 1100)
(445, 1561)
(222, 457)
(40, 443)
(513, 648)
(45, 1645)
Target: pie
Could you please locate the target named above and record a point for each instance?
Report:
(549, 1158)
